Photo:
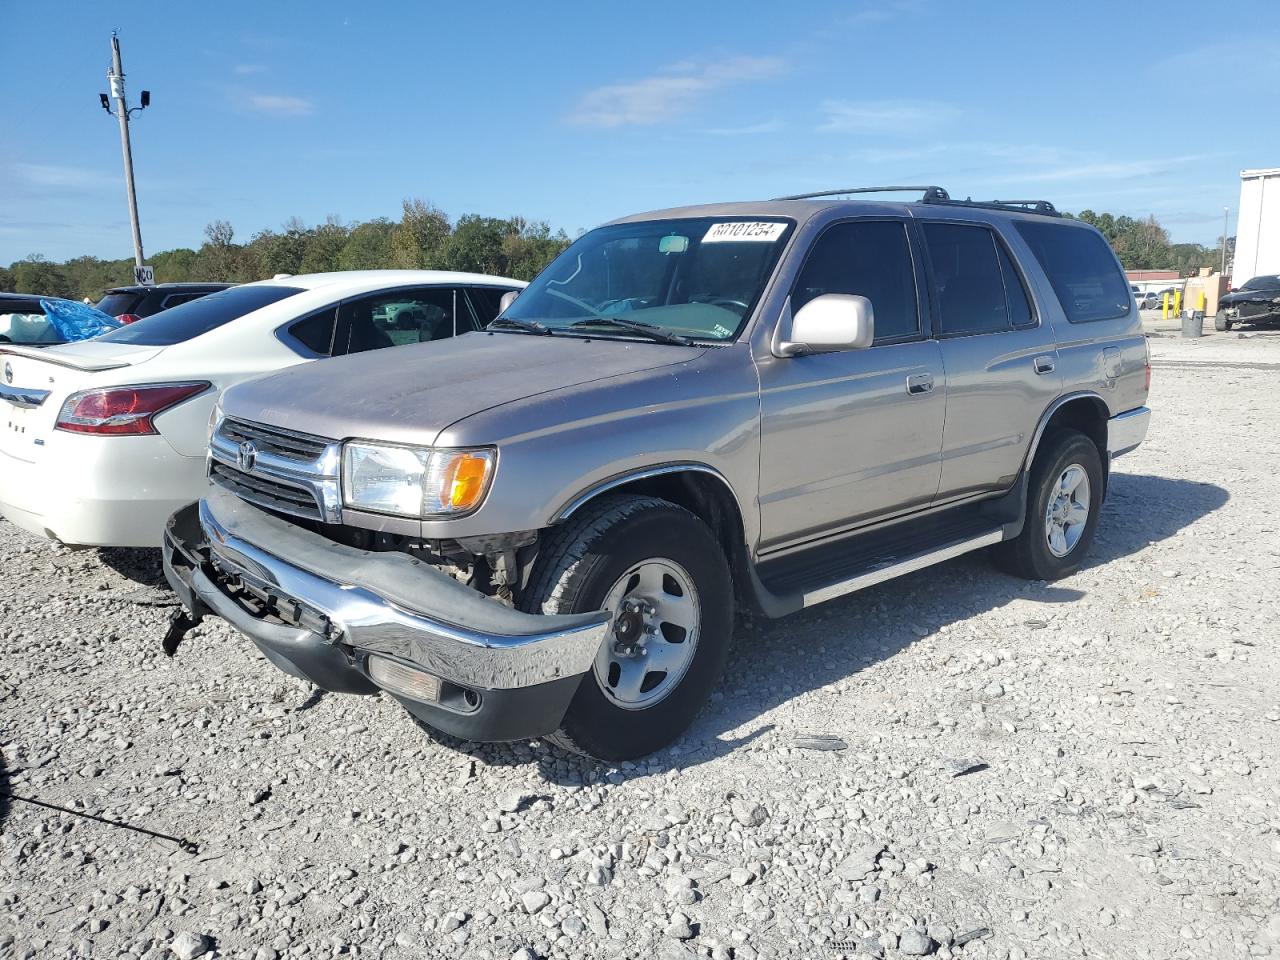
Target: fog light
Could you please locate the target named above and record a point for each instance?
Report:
(403, 680)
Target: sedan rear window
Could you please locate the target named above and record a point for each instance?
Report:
(1082, 269)
(188, 320)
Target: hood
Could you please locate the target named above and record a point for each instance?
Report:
(1247, 296)
(409, 394)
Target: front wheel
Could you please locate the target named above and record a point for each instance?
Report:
(1063, 502)
(665, 581)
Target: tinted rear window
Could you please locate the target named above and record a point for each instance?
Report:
(1082, 269)
(189, 320)
(114, 304)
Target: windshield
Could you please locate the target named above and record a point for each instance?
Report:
(696, 278)
(1262, 283)
(191, 319)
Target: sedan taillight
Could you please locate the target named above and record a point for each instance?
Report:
(128, 318)
(123, 411)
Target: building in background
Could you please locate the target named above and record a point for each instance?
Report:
(1258, 226)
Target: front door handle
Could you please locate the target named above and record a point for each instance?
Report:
(920, 383)
(1045, 364)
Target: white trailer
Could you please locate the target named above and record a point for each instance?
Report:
(1258, 227)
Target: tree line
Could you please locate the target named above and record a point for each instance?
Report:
(424, 238)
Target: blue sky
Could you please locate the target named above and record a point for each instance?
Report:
(579, 112)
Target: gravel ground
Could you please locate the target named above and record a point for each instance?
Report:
(953, 764)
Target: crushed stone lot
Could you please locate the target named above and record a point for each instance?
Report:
(954, 764)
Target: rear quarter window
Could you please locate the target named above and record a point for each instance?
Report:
(1081, 268)
(188, 320)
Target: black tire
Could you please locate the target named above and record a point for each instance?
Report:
(1221, 323)
(1029, 554)
(581, 562)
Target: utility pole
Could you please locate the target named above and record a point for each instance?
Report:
(115, 80)
(1225, 214)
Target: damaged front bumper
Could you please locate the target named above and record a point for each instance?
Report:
(356, 621)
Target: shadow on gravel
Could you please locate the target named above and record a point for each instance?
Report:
(4, 793)
(766, 669)
(139, 564)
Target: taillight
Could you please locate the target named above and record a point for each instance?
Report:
(123, 411)
(128, 318)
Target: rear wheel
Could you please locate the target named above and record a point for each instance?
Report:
(662, 576)
(1063, 501)
(1221, 323)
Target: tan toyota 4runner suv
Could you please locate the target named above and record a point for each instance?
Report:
(545, 528)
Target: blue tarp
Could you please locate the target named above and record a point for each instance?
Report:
(77, 321)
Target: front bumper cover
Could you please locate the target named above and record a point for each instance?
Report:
(319, 610)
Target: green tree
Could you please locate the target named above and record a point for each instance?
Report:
(6, 279)
(35, 274)
(417, 241)
(324, 246)
(368, 246)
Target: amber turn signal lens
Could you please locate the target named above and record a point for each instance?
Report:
(467, 476)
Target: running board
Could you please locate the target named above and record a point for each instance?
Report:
(898, 568)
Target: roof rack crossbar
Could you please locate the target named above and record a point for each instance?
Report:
(1043, 207)
(928, 191)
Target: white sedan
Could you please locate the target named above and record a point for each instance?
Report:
(101, 441)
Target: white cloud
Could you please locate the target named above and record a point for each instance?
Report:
(1106, 170)
(667, 93)
(63, 177)
(279, 104)
(884, 116)
(751, 129)
(247, 69)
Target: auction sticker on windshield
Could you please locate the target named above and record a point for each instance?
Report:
(761, 230)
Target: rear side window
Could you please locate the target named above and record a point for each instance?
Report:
(189, 320)
(1081, 268)
(1015, 294)
(870, 258)
(969, 278)
(316, 331)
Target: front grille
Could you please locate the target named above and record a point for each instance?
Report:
(268, 492)
(283, 443)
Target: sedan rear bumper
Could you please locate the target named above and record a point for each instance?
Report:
(322, 611)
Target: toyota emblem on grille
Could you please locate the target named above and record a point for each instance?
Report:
(247, 456)
(8, 373)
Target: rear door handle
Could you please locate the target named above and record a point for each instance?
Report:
(1044, 365)
(920, 383)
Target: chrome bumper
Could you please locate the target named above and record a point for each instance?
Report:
(384, 603)
(1127, 431)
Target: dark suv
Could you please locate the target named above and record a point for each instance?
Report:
(134, 303)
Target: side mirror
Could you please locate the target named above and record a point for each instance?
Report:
(507, 300)
(827, 324)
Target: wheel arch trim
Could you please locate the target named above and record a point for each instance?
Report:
(581, 499)
(1053, 408)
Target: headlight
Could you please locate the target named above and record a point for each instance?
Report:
(415, 481)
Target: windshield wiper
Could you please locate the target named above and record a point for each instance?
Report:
(529, 326)
(635, 326)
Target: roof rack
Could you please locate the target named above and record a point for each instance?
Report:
(934, 194)
(1043, 207)
(928, 191)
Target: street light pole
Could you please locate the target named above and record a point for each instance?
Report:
(1225, 214)
(115, 78)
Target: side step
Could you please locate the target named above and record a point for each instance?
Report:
(898, 568)
(790, 583)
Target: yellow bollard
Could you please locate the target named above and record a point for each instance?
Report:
(1200, 301)
(1164, 314)
(1177, 303)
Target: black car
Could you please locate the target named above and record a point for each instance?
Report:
(1257, 301)
(22, 320)
(134, 303)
